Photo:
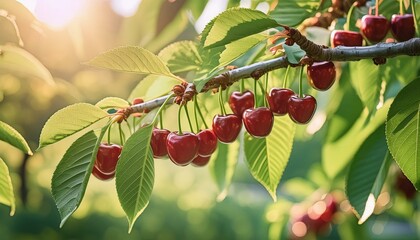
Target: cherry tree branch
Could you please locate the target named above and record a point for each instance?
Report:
(314, 52)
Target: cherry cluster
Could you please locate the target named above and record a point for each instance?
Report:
(316, 219)
(374, 28)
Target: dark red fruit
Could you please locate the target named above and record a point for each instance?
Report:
(200, 161)
(101, 176)
(278, 100)
(374, 28)
(227, 127)
(182, 149)
(402, 27)
(301, 110)
(239, 102)
(321, 75)
(346, 38)
(208, 142)
(403, 185)
(158, 142)
(258, 122)
(107, 158)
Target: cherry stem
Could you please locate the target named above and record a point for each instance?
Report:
(179, 121)
(134, 123)
(415, 14)
(301, 82)
(121, 134)
(161, 120)
(129, 127)
(256, 93)
(401, 7)
(242, 86)
(195, 113)
(377, 8)
(222, 108)
(265, 90)
(109, 134)
(200, 113)
(188, 118)
(285, 77)
(349, 15)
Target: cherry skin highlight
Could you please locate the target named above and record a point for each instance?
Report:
(301, 110)
(107, 158)
(208, 142)
(258, 122)
(239, 102)
(227, 127)
(321, 75)
(182, 149)
(278, 99)
(158, 142)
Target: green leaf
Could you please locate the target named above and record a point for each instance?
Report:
(367, 80)
(13, 137)
(367, 174)
(234, 24)
(403, 131)
(131, 59)
(293, 53)
(152, 87)
(70, 178)
(112, 102)
(181, 56)
(346, 147)
(222, 166)
(267, 157)
(294, 12)
(238, 48)
(135, 174)
(6, 188)
(69, 121)
(15, 60)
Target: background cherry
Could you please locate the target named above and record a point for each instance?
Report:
(374, 28)
(239, 102)
(321, 75)
(208, 142)
(278, 100)
(258, 122)
(200, 161)
(301, 110)
(107, 158)
(182, 149)
(158, 142)
(101, 176)
(402, 27)
(226, 127)
(346, 38)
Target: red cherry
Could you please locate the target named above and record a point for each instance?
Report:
(158, 142)
(239, 102)
(208, 142)
(321, 75)
(107, 158)
(227, 127)
(374, 28)
(182, 149)
(346, 38)
(200, 161)
(402, 27)
(137, 101)
(258, 122)
(101, 176)
(278, 98)
(330, 208)
(301, 110)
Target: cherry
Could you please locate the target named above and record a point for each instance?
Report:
(258, 122)
(182, 148)
(374, 28)
(200, 161)
(402, 27)
(321, 75)
(301, 110)
(107, 158)
(346, 38)
(239, 102)
(227, 127)
(101, 176)
(158, 142)
(208, 142)
(278, 98)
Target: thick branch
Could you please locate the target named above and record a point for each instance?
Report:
(314, 51)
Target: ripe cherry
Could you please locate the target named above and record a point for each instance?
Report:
(239, 102)
(402, 27)
(278, 100)
(101, 176)
(200, 161)
(107, 158)
(158, 142)
(301, 110)
(346, 38)
(258, 122)
(374, 28)
(208, 142)
(182, 148)
(227, 127)
(321, 75)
